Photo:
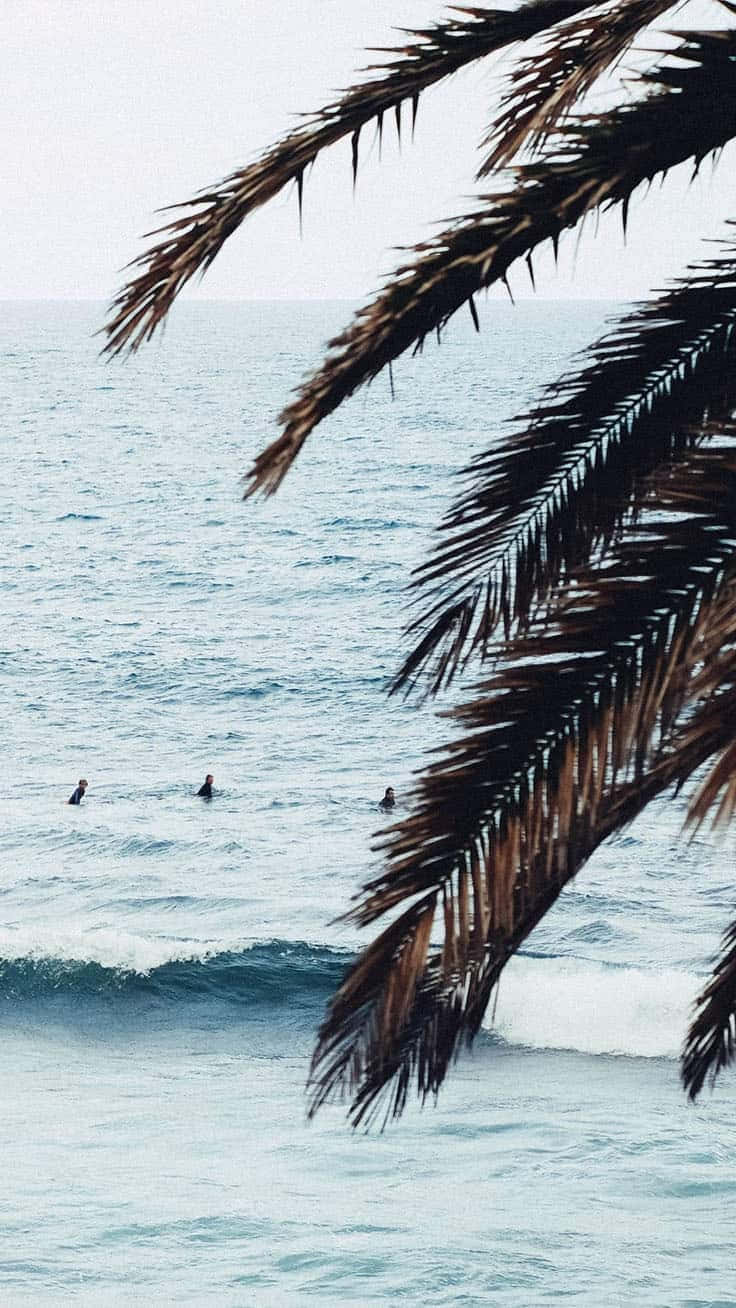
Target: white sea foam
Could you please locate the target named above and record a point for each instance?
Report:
(557, 1003)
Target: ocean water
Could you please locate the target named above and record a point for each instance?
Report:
(164, 962)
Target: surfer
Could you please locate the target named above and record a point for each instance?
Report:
(388, 800)
(77, 795)
(205, 791)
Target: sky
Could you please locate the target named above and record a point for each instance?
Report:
(112, 109)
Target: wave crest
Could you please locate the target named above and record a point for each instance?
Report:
(278, 972)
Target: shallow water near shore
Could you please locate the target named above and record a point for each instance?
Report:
(164, 962)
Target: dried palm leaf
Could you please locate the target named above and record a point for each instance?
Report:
(192, 241)
(574, 730)
(720, 781)
(600, 162)
(711, 1040)
(710, 1043)
(545, 87)
(559, 487)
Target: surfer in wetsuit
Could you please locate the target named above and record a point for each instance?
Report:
(388, 800)
(77, 796)
(205, 791)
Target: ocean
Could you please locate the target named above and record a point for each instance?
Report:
(164, 962)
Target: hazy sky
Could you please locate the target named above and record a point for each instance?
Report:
(113, 108)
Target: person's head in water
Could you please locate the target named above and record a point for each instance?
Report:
(388, 800)
(209, 779)
(77, 795)
(205, 791)
(83, 783)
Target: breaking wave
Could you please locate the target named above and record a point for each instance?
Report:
(542, 1003)
(112, 965)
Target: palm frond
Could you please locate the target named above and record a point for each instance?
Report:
(601, 161)
(562, 484)
(546, 86)
(565, 741)
(711, 1040)
(719, 786)
(189, 243)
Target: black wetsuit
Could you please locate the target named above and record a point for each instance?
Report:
(205, 791)
(388, 802)
(77, 796)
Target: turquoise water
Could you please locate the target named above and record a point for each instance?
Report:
(164, 962)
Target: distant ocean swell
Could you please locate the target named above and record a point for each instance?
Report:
(543, 1002)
